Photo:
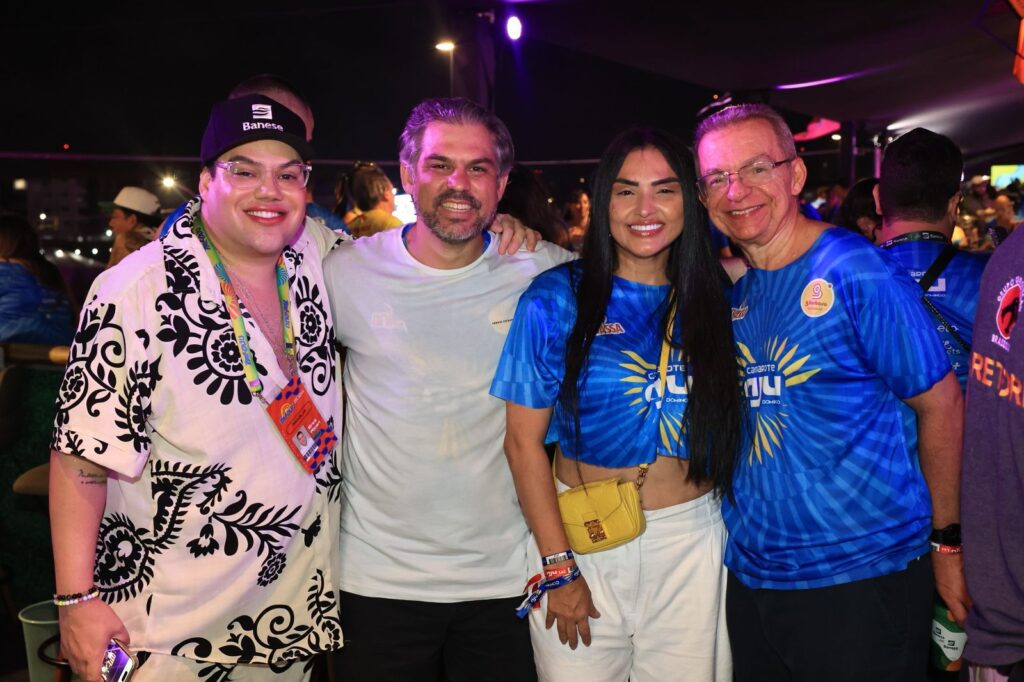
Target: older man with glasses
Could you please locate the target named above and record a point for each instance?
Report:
(831, 540)
(188, 521)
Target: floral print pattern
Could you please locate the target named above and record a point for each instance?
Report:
(211, 527)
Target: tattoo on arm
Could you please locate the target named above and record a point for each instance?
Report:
(91, 477)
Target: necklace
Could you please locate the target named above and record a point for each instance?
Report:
(249, 298)
(276, 342)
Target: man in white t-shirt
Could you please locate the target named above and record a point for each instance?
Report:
(433, 543)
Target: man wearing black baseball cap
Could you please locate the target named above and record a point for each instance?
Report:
(186, 522)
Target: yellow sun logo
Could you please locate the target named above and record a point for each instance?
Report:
(648, 392)
(763, 381)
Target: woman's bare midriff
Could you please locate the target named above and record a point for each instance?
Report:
(666, 483)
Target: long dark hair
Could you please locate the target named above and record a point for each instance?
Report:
(18, 241)
(703, 330)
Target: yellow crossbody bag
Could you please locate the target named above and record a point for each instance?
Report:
(602, 514)
(605, 514)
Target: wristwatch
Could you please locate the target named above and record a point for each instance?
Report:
(948, 536)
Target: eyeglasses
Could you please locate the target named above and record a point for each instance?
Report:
(752, 175)
(247, 175)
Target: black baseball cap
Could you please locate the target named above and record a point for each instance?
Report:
(234, 122)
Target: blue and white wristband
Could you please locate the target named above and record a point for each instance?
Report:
(542, 586)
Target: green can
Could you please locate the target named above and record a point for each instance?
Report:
(948, 638)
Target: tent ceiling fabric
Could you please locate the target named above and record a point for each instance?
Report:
(931, 63)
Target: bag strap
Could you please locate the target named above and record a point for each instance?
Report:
(926, 282)
(666, 351)
(933, 272)
(949, 328)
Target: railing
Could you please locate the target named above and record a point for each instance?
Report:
(28, 353)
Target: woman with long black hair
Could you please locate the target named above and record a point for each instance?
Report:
(626, 359)
(34, 300)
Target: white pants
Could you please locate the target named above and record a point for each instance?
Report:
(662, 603)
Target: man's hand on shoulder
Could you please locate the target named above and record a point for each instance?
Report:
(512, 235)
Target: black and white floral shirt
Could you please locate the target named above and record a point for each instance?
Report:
(215, 543)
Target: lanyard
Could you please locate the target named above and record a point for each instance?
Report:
(927, 236)
(235, 312)
(666, 351)
(663, 358)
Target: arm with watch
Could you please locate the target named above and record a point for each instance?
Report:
(940, 445)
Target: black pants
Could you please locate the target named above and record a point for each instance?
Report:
(390, 640)
(874, 630)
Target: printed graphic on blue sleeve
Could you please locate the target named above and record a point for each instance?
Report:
(829, 489)
(954, 293)
(624, 418)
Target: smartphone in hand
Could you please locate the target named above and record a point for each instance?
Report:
(118, 663)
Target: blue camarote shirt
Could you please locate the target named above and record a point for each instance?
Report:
(830, 490)
(623, 419)
(954, 293)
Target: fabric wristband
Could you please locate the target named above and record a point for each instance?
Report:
(540, 587)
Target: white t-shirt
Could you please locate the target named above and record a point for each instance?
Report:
(429, 511)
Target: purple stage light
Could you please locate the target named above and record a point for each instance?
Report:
(514, 28)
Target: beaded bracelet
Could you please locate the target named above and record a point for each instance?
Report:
(555, 558)
(77, 597)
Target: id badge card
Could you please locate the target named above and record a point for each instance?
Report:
(301, 425)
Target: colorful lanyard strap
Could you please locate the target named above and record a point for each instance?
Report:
(235, 312)
(923, 236)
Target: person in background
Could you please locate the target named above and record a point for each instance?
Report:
(34, 301)
(528, 199)
(372, 196)
(977, 200)
(918, 194)
(625, 358)
(834, 197)
(857, 212)
(1004, 222)
(577, 218)
(281, 90)
(809, 202)
(134, 219)
(830, 573)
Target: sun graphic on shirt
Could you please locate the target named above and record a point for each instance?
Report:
(762, 382)
(648, 393)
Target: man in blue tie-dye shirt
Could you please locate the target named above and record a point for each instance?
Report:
(918, 194)
(830, 574)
